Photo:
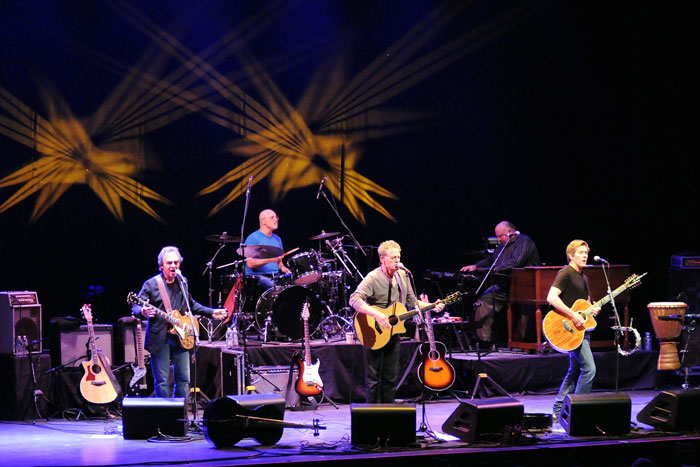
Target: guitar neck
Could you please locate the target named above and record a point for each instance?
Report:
(429, 330)
(415, 311)
(140, 359)
(605, 300)
(93, 345)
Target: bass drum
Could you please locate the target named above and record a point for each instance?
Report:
(283, 306)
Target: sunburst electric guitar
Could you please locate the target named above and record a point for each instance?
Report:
(372, 336)
(435, 372)
(180, 325)
(560, 331)
(98, 384)
(309, 382)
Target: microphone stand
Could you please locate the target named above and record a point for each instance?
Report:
(185, 293)
(241, 292)
(617, 328)
(209, 267)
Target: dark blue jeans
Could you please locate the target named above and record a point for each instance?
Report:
(580, 376)
(161, 363)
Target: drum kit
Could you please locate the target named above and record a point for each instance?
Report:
(270, 306)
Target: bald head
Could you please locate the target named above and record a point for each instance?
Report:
(268, 221)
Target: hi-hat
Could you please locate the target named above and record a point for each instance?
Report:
(323, 235)
(261, 251)
(223, 238)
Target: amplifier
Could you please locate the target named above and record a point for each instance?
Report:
(685, 262)
(74, 344)
(20, 315)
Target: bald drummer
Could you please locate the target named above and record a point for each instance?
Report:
(269, 221)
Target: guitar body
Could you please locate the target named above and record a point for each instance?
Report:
(97, 385)
(560, 331)
(371, 335)
(309, 382)
(435, 372)
(185, 323)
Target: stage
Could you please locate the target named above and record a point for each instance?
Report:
(77, 433)
(99, 442)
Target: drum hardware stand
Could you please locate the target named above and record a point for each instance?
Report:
(690, 327)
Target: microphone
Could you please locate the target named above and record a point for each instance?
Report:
(179, 274)
(513, 234)
(247, 190)
(401, 266)
(598, 259)
(320, 187)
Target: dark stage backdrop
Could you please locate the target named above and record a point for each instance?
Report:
(570, 120)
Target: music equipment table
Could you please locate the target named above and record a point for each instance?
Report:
(530, 286)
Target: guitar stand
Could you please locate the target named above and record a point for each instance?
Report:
(484, 377)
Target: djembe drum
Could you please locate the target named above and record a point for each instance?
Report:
(667, 319)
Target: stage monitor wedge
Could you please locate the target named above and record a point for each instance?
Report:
(596, 414)
(674, 410)
(475, 419)
(383, 425)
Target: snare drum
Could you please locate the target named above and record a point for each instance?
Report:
(305, 267)
(279, 308)
(667, 320)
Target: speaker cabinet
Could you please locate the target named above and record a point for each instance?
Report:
(20, 315)
(74, 344)
(596, 414)
(275, 379)
(383, 424)
(223, 429)
(675, 410)
(473, 419)
(125, 340)
(144, 417)
(684, 286)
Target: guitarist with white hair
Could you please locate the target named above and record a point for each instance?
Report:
(382, 287)
(165, 300)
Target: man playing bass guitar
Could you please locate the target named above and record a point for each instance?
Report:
(383, 286)
(570, 285)
(167, 291)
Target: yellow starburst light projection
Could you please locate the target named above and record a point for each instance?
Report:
(68, 157)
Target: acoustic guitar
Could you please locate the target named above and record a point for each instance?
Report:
(435, 372)
(309, 382)
(180, 325)
(98, 385)
(371, 334)
(560, 331)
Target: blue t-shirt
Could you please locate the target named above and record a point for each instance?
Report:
(259, 238)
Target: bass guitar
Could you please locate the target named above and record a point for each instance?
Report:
(560, 331)
(140, 366)
(372, 336)
(180, 325)
(309, 383)
(435, 372)
(98, 385)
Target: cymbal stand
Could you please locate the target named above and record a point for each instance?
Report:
(336, 247)
(352, 237)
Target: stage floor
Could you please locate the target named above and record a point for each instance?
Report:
(100, 442)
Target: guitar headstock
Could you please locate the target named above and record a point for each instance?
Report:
(634, 280)
(452, 298)
(135, 299)
(305, 310)
(87, 312)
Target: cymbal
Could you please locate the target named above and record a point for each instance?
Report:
(323, 235)
(223, 238)
(261, 251)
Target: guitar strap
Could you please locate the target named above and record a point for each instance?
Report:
(164, 297)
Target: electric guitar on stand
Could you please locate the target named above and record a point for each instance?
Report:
(435, 372)
(309, 383)
(138, 382)
(98, 384)
(180, 325)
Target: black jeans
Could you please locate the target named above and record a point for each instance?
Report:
(382, 372)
